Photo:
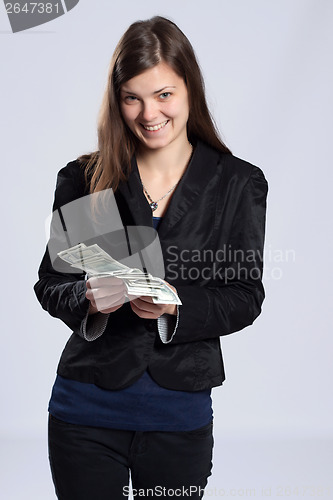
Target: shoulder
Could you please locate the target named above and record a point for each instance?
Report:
(242, 173)
(243, 169)
(233, 173)
(75, 169)
(71, 169)
(70, 183)
(229, 165)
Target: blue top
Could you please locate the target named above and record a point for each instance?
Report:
(156, 222)
(143, 406)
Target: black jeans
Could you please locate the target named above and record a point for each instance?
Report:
(90, 463)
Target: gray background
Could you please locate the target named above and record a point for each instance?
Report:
(269, 79)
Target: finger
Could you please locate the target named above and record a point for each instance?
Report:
(106, 304)
(101, 299)
(110, 309)
(144, 298)
(105, 281)
(147, 298)
(170, 286)
(132, 297)
(101, 292)
(148, 306)
(141, 313)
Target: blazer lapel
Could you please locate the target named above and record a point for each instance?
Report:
(132, 192)
(200, 170)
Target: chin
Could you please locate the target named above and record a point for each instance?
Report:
(156, 144)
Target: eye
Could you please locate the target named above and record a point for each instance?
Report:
(130, 98)
(165, 95)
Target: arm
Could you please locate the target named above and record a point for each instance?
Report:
(63, 294)
(167, 315)
(232, 300)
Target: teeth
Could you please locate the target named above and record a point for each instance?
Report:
(156, 127)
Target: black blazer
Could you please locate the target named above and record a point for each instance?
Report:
(212, 238)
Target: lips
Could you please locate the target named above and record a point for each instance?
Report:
(154, 128)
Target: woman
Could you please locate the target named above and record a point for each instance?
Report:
(133, 386)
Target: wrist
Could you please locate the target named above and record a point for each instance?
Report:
(172, 309)
(92, 309)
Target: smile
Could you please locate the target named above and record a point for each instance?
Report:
(156, 127)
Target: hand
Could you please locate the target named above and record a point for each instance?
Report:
(144, 306)
(106, 294)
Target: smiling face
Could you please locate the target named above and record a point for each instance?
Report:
(155, 107)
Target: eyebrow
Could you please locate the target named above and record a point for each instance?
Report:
(156, 91)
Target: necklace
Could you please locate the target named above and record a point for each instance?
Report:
(154, 204)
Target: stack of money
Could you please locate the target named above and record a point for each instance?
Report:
(98, 263)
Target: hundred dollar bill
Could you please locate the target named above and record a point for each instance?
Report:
(94, 261)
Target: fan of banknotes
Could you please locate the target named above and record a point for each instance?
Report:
(98, 263)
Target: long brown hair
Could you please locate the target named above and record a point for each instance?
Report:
(144, 45)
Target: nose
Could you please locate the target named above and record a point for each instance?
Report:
(148, 111)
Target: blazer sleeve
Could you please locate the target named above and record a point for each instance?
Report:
(62, 294)
(232, 300)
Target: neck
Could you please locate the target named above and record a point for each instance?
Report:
(168, 161)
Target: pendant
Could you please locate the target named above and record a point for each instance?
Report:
(153, 206)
